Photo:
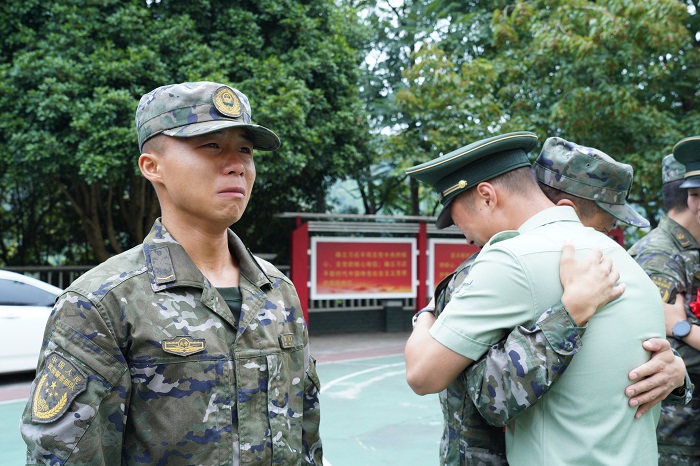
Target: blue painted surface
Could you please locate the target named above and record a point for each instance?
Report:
(369, 417)
(11, 444)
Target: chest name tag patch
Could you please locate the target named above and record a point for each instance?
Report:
(183, 345)
(665, 286)
(58, 386)
(287, 340)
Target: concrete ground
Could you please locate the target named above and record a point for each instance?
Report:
(333, 347)
(369, 415)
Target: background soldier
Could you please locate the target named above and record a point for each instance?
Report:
(186, 349)
(670, 255)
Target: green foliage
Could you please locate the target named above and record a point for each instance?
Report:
(603, 74)
(72, 72)
(617, 75)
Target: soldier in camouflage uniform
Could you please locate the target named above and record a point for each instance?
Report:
(502, 385)
(186, 349)
(670, 255)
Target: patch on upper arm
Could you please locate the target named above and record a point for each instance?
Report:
(665, 286)
(60, 382)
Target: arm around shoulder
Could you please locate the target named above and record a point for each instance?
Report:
(501, 389)
(430, 366)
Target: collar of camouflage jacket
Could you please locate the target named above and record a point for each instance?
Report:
(681, 236)
(169, 265)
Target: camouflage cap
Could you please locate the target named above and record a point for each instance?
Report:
(196, 108)
(454, 173)
(671, 169)
(687, 152)
(588, 173)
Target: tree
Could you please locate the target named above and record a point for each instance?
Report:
(394, 28)
(409, 130)
(619, 76)
(72, 73)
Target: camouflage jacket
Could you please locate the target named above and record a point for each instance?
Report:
(143, 363)
(513, 375)
(670, 256)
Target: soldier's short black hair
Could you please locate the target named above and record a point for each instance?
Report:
(585, 207)
(674, 197)
(520, 182)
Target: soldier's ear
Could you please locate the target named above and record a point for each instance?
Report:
(486, 195)
(566, 202)
(149, 164)
(570, 203)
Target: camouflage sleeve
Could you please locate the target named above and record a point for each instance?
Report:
(691, 356)
(310, 436)
(77, 404)
(516, 372)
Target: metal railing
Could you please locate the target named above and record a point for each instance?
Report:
(57, 276)
(64, 276)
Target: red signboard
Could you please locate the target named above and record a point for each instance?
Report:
(348, 268)
(445, 255)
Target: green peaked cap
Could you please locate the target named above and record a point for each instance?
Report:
(687, 152)
(454, 173)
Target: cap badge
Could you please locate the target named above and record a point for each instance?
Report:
(226, 102)
(461, 185)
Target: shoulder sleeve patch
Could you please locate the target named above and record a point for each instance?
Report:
(60, 382)
(666, 287)
(683, 239)
(162, 265)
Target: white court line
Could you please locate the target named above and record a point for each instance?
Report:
(358, 358)
(356, 388)
(13, 401)
(355, 374)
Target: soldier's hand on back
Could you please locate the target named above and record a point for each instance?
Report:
(656, 379)
(590, 282)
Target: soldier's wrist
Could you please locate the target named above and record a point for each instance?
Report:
(681, 329)
(580, 311)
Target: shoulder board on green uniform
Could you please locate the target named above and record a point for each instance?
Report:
(504, 235)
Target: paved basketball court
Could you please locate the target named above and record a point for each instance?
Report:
(369, 415)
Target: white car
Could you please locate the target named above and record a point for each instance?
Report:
(25, 305)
